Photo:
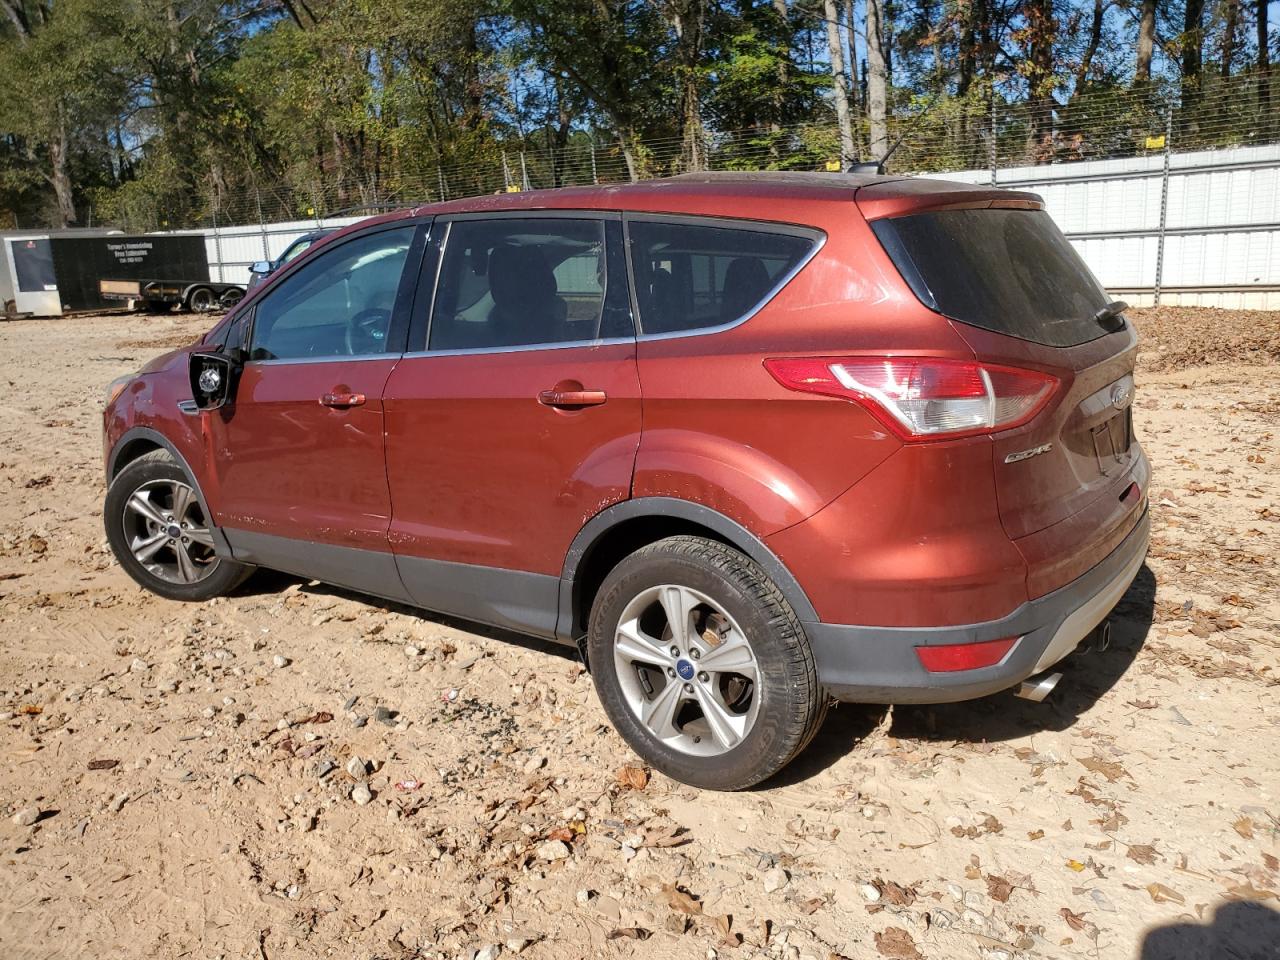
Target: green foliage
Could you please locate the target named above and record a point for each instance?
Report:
(155, 113)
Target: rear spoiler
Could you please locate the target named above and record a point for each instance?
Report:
(900, 198)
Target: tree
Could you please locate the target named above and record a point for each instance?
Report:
(66, 58)
(840, 89)
(607, 49)
(1146, 42)
(1192, 40)
(877, 80)
(687, 18)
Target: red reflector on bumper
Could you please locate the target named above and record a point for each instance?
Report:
(948, 657)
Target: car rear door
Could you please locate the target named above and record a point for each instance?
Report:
(515, 417)
(299, 457)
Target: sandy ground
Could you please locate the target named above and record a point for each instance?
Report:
(194, 796)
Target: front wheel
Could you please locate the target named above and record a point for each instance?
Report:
(702, 665)
(160, 534)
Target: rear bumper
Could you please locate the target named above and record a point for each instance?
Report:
(879, 664)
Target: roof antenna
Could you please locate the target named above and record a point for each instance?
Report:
(877, 167)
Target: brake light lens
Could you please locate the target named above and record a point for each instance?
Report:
(921, 398)
(950, 657)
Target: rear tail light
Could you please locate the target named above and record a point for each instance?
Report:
(949, 657)
(919, 398)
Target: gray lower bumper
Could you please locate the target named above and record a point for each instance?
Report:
(879, 664)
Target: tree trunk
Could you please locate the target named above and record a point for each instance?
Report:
(59, 179)
(840, 89)
(850, 26)
(1231, 16)
(1264, 65)
(1193, 38)
(564, 123)
(783, 48)
(687, 18)
(877, 82)
(1146, 42)
(1090, 51)
(1042, 29)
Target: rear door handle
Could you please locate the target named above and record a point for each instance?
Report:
(572, 398)
(342, 400)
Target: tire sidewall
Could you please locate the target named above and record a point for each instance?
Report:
(225, 576)
(773, 734)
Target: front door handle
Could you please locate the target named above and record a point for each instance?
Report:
(342, 400)
(572, 398)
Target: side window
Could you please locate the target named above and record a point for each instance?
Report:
(296, 249)
(338, 305)
(507, 282)
(690, 276)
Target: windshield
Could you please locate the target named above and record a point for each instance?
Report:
(1009, 271)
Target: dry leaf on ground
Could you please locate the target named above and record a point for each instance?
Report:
(1142, 852)
(896, 942)
(1108, 768)
(1162, 894)
(1074, 920)
(999, 889)
(633, 778)
(895, 894)
(680, 901)
(630, 933)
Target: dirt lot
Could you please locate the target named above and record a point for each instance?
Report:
(189, 764)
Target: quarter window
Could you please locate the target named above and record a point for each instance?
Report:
(507, 282)
(691, 276)
(338, 305)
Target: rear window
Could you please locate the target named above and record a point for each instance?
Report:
(1009, 271)
(694, 276)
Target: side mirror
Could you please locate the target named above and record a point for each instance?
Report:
(261, 268)
(212, 379)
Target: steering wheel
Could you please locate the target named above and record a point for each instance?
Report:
(367, 331)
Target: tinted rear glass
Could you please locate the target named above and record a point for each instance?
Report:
(1010, 271)
(693, 276)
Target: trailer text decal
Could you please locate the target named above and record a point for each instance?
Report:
(130, 252)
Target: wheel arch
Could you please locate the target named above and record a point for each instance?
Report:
(139, 441)
(626, 527)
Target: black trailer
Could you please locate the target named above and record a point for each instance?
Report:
(159, 296)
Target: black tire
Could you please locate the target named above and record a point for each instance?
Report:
(792, 703)
(157, 306)
(230, 298)
(218, 576)
(201, 300)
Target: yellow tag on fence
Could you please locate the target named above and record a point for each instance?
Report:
(833, 166)
(1155, 143)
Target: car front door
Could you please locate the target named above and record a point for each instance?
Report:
(299, 456)
(516, 415)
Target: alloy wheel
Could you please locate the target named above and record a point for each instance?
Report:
(687, 671)
(168, 533)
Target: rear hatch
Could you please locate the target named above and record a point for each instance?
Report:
(1018, 294)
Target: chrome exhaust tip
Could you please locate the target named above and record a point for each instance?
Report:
(1102, 636)
(1037, 688)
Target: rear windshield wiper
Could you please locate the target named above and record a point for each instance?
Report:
(1110, 311)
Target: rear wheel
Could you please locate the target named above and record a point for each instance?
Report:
(201, 300)
(230, 298)
(702, 665)
(159, 533)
